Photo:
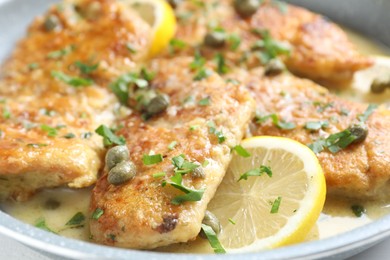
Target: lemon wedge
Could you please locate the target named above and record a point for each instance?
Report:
(160, 16)
(265, 211)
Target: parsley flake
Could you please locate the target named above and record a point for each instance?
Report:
(97, 213)
(256, 172)
(370, 109)
(316, 125)
(241, 151)
(204, 101)
(152, 159)
(276, 205)
(358, 210)
(109, 138)
(213, 239)
(77, 220)
(72, 81)
(86, 69)
(275, 120)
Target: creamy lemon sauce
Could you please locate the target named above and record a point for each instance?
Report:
(337, 216)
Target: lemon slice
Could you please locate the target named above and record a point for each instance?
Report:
(244, 207)
(160, 16)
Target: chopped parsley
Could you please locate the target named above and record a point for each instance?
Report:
(190, 194)
(36, 145)
(182, 166)
(204, 101)
(77, 220)
(159, 175)
(51, 131)
(33, 66)
(176, 44)
(217, 133)
(152, 159)
(6, 113)
(256, 172)
(72, 81)
(241, 151)
(203, 73)
(86, 69)
(61, 53)
(275, 120)
(69, 136)
(172, 145)
(370, 109)
(41, 223)
(276, 205)
(234, 41)
(316, 125)
(321, 107)
(221, 65)
(232, 221)
(358, 210)
(131, 48)
(334, 142)
(109, 138)
(97, 213)
(198, 62)
(213, 239)
(267, 48)
(120, 87)
(194, 127)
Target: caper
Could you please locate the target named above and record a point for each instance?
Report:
(51, 22)
(158, 104)
(51, 204)
(379, 85)
(212, 221)
(360, 131)
(198, 172)
(215, 39)
(122, 172)
(116, 155)
(274, 67)
(174, 3)
(143, 98)
(246, 8)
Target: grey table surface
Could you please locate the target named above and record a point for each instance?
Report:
(13, 250)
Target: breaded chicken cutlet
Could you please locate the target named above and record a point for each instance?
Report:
(300, 109)
(319, 49)
(54, 94)
(206, 118)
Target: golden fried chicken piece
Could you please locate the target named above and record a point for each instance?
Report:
(54, 94)
(359, 171)
(320, 50)
(140, 213)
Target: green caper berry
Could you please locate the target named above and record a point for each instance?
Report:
(246, 8)
(215, 39)
(51, 22)
(360, 131)
(51, 204)
(198, 172)
(157, 104)
(274, 67)
(212, 221)
(379, 85)
(116, 155)
(122, 172)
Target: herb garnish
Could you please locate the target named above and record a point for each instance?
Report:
(217, 133)
(86, 69)
(358, 210)
(36, 145)
(232, 221)
(73, 81)
(183, 166)
(190, 194)
(213, 239)
(198, 62)
(370, 109)
(221, 65)
(256, 172)
(152, 159)
(121, 86)
(275, 120)
(131, 48)
(316, 125)
(176, 44)
(159, 175)
(109, 137)
(204, 101)
(202, 74)
(97, 213)
(51, 131)
(267, 48)
(6, 113)
(172, 145)
(234, 41)
(69, 136)
(41, 223)
(276, 205)
(77, 220)
(61, 53)
(241, 151)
